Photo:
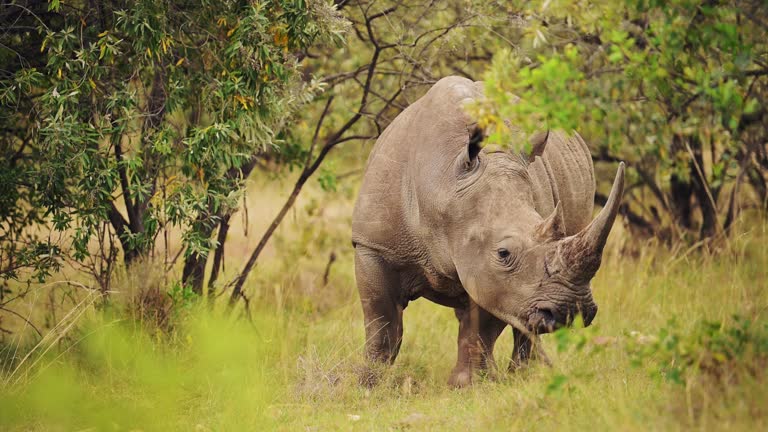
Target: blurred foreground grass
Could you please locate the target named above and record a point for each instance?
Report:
(680, 342)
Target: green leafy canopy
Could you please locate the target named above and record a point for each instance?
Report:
(128, 117)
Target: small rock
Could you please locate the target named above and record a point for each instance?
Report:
(642, 339)
(407, 388)
(413, 418)
(604, 340)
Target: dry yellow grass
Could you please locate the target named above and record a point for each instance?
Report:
(294, 367)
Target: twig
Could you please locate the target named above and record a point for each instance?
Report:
(23, 318)
(308, 170)
(703, 183)
(731, 215)
(331, 260)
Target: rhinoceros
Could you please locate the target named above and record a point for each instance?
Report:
(503, 238)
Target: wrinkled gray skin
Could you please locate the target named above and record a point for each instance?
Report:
(503, 239)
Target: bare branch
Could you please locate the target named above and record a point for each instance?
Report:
(23, 318)
(307, 172)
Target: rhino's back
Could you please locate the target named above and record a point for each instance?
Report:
(408, 162)
(565, 173)
(378, 210)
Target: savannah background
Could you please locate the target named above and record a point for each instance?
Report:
(177, 181)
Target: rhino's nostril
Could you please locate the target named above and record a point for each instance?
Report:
(589, 313)
(548, 321)
(547, 314)
(543, 320)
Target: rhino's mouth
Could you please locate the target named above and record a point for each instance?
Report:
(542, 320)
(546, 317)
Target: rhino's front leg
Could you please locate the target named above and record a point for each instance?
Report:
(478, 331)
(379, 287)
(525, 350)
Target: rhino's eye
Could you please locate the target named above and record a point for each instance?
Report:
(507, 259)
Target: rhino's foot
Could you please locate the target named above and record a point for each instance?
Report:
(478, 331)
(370, 375)
(464, 376)
(516, 365)
(541, 357)
(526, 350)
(492, 372)
(460, 378)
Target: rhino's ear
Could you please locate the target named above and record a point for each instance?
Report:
(474, 145)
(538, 144)
(553, 227)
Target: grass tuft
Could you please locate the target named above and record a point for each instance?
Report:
(680, 342)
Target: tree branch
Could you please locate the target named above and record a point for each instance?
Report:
(23, 318)
(123, 176)
(309, 169)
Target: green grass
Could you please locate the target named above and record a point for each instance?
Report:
(294, 367)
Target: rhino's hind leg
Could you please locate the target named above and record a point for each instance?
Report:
(379, 287)
(478, 331)
(525, 350)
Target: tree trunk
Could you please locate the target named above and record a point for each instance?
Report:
(708, 212)
(705, 195)
(194, 265)
(194, 272)
(218, 256)
(680, 196)
(681, 191)
(758, 182)
(120, 225)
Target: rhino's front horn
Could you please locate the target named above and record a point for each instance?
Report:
(583, 252)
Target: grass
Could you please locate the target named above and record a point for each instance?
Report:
(647, 362)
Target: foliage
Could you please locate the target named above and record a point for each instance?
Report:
(404, 47)
(133, 119)
(393, 52)
(724, 352)
(674, 88)
(124, 378)
(296, 366)
(125, 124)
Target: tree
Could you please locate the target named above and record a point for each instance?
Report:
(395, 51)
(121, 122)
(127, 119)
(675, 88)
